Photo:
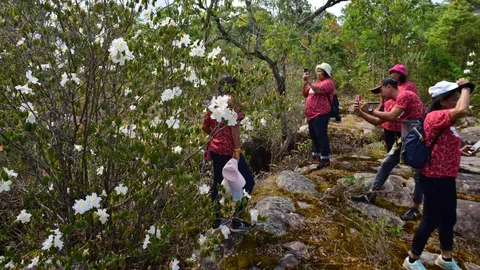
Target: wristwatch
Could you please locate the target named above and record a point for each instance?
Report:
(370, 109)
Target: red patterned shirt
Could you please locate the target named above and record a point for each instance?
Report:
(222, 143)
(319, 104)
(388, 105)
(445, 157)
(411, 104)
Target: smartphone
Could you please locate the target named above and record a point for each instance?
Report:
(474, 148)
(357, 99)
(305, 70)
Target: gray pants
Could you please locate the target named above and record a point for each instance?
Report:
(388, 164)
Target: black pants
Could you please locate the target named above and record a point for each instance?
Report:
(390, 137)
(318, 128)
(439, 211)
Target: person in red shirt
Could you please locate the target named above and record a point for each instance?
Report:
(225, 145)
(319, 95)
(437, 178)
(407, 106)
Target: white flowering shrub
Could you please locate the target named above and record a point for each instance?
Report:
(100, 128)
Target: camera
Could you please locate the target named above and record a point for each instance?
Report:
(305, 70)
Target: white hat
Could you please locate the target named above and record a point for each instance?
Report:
(233, 176)
(441, 88)
(326, 67)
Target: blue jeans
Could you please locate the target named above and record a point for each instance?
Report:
(388, 164)
(439, 211)
(318, 128)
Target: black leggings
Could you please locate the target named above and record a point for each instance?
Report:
(439, 211)
(390, 137)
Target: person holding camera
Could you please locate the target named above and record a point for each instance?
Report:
(317, 111)
(450, 102)
(224, 146)
(407, 106)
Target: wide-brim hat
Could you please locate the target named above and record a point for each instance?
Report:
(231, 173)
(383, 82)
(325, 67)
(398, 68)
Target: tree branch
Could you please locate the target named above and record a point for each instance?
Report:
(330, 3)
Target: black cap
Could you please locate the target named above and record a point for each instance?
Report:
(384, 82)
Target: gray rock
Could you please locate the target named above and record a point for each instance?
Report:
(468, 219)
(472, 130)
(399, 170)
(471, 266)
(428, 258)
(296, 183)
(288, 261)
(296, 248)
(376, 213)
(469, 138)
(468, 184)
(278, 212)
(303, 131)
(209, 263)
(304, 205)
(470, 165)
(306, 169)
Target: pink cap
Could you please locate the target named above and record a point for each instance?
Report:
(398, 68)
(233, 176)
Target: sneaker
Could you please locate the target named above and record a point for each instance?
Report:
(447, 265)
(367, 198)
(411, 214)
(417, 265)
(323, 163)
(239, 226)
(219, 222)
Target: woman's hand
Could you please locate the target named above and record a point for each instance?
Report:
(357, 107)
(464, 151)
(306, 78)
(462, 81)
(236, 154)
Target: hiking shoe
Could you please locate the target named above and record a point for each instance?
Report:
(411, 214)
(447, 265)
(239, 226)
(367, 198)
(417, 265)
(323, 163)
(219, 222)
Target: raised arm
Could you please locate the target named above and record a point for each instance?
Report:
(461, 109)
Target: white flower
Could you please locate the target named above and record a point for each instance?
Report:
(64, 79)
(119, 51)
(75, 78)
(225, 231)
(24, 217)
(127, 91)
(245, 194)
(224, 61)
(31, 118)
(53, 240)
(155, 121)
(129, 130)
(81, 206)
(193, 258)
(154, 231)
(10, 173)
(472, 54)
(49, 261)
(5, 185)
(263, 122)
(100, 170)
(104, 193)
(10, 265)
(48, 243)
(78, 147)
(177, 91)
(146, 241)
(30, 78)
(93, 201)
(2, 258)
(168, 21)
(231, 117)
(204, 189)
(213, 54)
(57, 242)
(202, 239)
(217, 114)
(247, 124)
(470, 63)
(132, 107)
(254, 215)
(120, 189)
(198, 49)
(34, 262)
(21, 41)
(167, 95)
(174, 265)
(103, 215)
(185, 40)
(24, 89)
(177, 149)
(173, 123)
(467, 71)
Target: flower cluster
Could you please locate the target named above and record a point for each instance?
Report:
(221, 111)
(54, 239)
(31, 118)
(170, 94)
(119, 51)
(91, 201)
(24, 217)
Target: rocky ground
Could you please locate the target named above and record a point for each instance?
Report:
(308, 222)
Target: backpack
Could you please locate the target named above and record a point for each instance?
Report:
(335, 105)
(416, 153)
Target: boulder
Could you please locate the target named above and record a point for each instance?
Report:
(279, 214)
(472, 130)
(468, 219)
(377, 213)
(304, 205)
(303, 131)
(295, 183)
(428, 258)
(306, 169)
(472, 266)
(288, 261)
(296, 248)
(468, 184)
(470, 165)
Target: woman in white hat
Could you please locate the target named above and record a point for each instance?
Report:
(450, 103)
(319, 95)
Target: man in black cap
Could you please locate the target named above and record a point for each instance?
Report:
(407, 106)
